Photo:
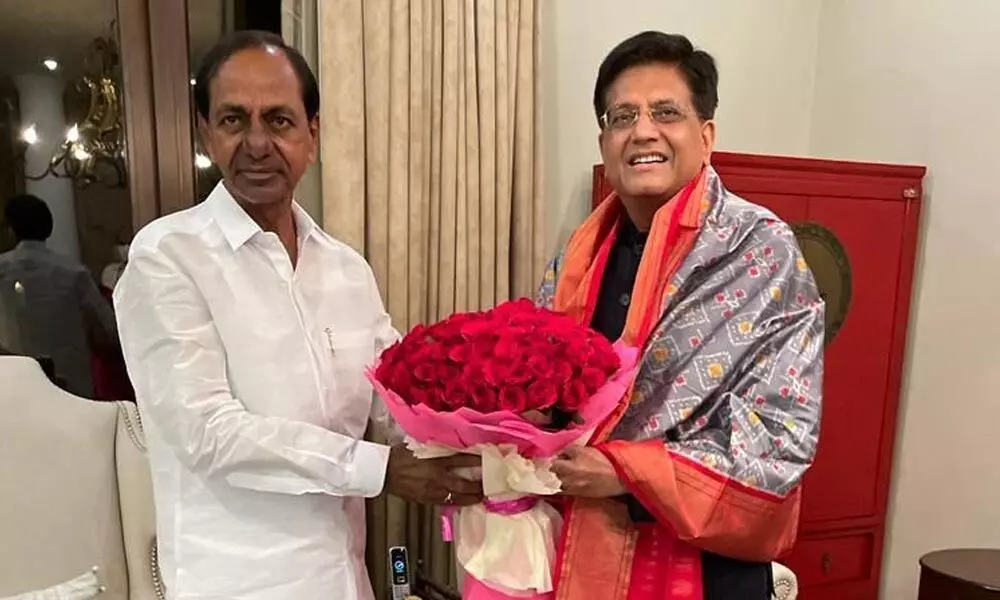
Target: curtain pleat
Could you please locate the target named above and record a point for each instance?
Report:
(430, 144)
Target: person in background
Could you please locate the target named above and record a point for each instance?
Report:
(48, 299)
(692, 487)
(246, 330)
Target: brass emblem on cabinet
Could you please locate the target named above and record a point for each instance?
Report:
(831, 268)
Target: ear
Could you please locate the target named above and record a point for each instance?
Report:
(205, 136)
(707, 140)
(600, 145)
(314, 141)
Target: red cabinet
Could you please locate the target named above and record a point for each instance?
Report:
(857, 225)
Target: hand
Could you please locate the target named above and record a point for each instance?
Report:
(431, 480)
(587, 473)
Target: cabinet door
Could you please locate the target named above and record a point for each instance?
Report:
(843, 481)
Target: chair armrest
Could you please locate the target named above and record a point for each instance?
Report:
(135, 494)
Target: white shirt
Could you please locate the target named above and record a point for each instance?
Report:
(249, 377)
(45, 301)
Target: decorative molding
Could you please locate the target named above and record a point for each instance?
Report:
(133, 425)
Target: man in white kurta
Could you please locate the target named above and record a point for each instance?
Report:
(250, 380)
(246, 330)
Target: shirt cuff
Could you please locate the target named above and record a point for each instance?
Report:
(368, 472)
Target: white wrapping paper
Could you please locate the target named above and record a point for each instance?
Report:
(514, 554)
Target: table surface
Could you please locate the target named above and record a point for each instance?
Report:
(979, 567)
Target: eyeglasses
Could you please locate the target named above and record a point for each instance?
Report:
(625, 116)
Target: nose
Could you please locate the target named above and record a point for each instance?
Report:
(257, 141)
(645, 129)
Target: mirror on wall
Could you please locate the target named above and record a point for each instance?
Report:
(64, 194)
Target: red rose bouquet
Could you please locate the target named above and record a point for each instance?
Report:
(517, 385)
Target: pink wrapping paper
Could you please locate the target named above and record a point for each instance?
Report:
(466, 428)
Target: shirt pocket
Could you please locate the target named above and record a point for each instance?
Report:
(352, 353)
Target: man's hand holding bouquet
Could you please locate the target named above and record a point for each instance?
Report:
(517, 385)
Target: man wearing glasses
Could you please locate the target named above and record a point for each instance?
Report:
(692, 487)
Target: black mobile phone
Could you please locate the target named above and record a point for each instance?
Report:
(399, 567)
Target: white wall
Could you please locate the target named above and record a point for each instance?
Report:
(765, 50)
(41, 103)
(919, 82)
(879, 80)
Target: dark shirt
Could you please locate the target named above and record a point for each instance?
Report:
(723, 578)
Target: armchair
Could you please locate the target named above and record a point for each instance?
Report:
(77, 490)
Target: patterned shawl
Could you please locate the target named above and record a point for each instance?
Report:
(723, 417)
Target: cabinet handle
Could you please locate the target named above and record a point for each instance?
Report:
(826, 563)
(910, 193)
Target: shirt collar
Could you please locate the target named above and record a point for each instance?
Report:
(32, 245)
(237, 225)
(305, 226)
(630, 236)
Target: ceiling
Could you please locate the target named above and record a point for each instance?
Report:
(33, 30)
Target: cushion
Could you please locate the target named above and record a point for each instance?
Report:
(786, 585)
(84, 587)
(58, 452)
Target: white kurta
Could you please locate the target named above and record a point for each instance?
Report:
(249, 377)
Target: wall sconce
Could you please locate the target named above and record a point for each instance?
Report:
(94, 148)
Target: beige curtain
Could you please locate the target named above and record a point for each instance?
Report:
(430, 169)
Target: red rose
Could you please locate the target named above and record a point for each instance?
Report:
(473, 329)
(445, 372)
(515, 357)
(509, 309)
(604, 356)
(390, 354)
(418, 355)
(429, 397)
(473, 372)
(542, 395)
(496, 372)
(506, 347)
(579, 352)
(460, 353)
(399, 378)
(425, 372)
(456, 395)
(573, 396)
(519, 373)
(514, 399)
(482, 349)
(436, 398)
(484, 399)
(383, 370)
(593, 379)
(562, 372)
(540, 365)
(418, 396)
(524, 321)
(600, 343)
(417, 333)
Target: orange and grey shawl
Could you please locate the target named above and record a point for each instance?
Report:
(722, 420)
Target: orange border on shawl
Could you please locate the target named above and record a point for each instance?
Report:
(599, 539)
(704, 506)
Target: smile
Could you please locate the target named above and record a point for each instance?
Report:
(645, 159)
